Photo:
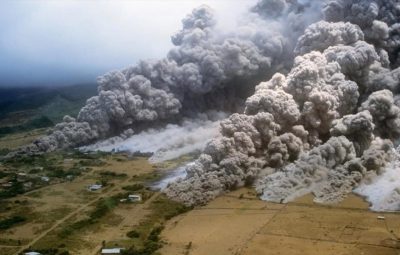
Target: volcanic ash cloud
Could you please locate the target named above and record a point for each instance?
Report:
(165, 143)
(324, 127)
(383, 191)
(208, 69)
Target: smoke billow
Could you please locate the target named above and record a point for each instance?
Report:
(324, 127)
(206, 70)
(383, 191)
(324, 119)
(166, 143)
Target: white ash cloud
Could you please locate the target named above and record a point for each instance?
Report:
(166, 143)
(383, 191)
(172, 176)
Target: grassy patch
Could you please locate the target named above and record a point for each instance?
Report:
(148, 177)
(148, 232)
(164, 208)
(8, 250)
(134, 187)
(150, 245)
(102, 208)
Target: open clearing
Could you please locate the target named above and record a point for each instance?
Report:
(240, 224)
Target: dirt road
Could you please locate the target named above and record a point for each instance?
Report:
(66, 218)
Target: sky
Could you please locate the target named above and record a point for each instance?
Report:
(62, 42)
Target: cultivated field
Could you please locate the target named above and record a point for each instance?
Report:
(238, 223)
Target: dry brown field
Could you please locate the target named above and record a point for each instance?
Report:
(239, 223)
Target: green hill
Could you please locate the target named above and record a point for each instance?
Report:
(24, 109)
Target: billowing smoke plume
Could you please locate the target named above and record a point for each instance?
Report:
(165, 143)
(326, 126)
(207, 70)
(325, 119)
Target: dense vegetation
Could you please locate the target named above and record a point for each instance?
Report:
(148, 231)
(15, 189)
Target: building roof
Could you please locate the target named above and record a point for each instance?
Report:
(95, 186)
(111, 251)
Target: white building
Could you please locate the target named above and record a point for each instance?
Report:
(94, 187)
(112, 251)
(135, 198)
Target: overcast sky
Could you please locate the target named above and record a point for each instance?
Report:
(59, 42)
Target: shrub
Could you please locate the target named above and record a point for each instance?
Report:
(112, 174)
(10, 222)
(133, 234)
(134, 187)
(16, 189)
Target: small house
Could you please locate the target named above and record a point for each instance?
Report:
(135, 198)
(111, 251)
(94, 187)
